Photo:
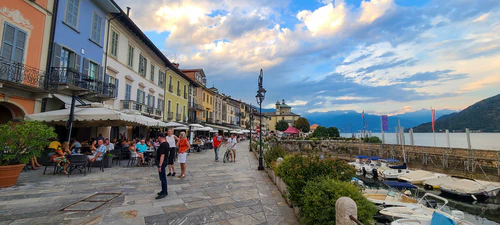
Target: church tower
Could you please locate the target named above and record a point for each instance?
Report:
(278, 108)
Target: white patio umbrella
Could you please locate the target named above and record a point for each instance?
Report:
(214, 131)
(245, 131)
(203, 129)
(195, 125)
(174, 124)
(181, 128)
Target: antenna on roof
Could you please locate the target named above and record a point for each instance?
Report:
(175, 56)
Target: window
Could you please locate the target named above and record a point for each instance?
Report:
(111, 80)
(128, 90)
(72, 9)
(95, 33)
(142, 65)
(178, 88)
(185, 93)
(114, 43)
(150, 100)
(161, 104)
(168, 110)
(171, 87)
(93, 68)
(161, 78)
(130, 62)
(67, 59)
(152, 78)
(13, 43)
(140, 96)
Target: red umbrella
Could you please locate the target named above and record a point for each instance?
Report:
(291, 130)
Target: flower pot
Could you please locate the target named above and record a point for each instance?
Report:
(9, 174)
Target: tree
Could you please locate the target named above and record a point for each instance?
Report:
(281, 125)
(333, 132)
(302, 124)
(320, 132)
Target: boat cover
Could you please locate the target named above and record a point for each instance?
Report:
(374, 158)
(391, 160)
(362, 157)
(418, 174)
(400, 167)
(464, 186)
(396, 184)
(440, 219)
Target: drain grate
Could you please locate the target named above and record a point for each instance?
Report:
(92, 202)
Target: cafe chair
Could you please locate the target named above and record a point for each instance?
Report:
(78, 162)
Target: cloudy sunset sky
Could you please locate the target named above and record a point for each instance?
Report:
(381, 56)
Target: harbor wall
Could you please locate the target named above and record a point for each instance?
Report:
(474, 163)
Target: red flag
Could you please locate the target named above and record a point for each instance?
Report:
(433, 118)
(363, 114)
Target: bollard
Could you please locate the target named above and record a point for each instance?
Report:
(344, 208)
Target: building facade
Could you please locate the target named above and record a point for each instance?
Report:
(283, 112)
(178, 95)
(24, 44)
(199, 81)
(218, 98)
(208, 106)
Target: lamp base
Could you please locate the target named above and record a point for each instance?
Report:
(260, 168)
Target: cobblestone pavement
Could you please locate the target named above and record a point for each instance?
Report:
(212, 193)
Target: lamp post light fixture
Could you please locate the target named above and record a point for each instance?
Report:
(261, 95)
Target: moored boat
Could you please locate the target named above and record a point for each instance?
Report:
(419, 176)
(393, 197)
(415, 211)
(469, 190)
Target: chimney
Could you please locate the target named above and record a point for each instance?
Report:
(283, 100)
(176, 65)
(128, 11)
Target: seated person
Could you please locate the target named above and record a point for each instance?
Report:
(76, 146)
(54, 144)
(141, 148)
(98, 154)
(60, 159)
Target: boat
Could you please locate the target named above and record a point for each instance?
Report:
(469, 190)
(365, 165)
(457, 217)
(393, 197)
(417, 211)
(393, 174)
(419, 176)
(436, 183)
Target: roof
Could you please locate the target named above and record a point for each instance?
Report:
(283, 105)
(195, 70)
(314, 126)
(123, 18)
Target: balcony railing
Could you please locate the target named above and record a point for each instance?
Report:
(142, 108)
(184, 118)
(170, 115)
(79, 81)
(178, 117)
(159, 112)
(170, 88)
(22, 74)
(185, 95)
(178, 92)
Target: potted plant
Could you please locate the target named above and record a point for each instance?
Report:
(107, 161)
(19, 143)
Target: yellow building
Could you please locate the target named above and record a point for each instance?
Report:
(176, 94)
(283, 112)
(208, 106)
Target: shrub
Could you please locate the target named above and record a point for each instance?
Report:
(272, 154)
(319, 200)
(333, 132)
(23, 141)
(320, 132)
(297, 169)
(372, 139)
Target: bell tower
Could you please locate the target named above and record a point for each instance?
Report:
(278, 108)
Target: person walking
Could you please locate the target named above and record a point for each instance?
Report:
(216, 143)
(172, 140)
(161, 156)
(232, 141)
(184, 146)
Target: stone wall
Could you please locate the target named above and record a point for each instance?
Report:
(480, 164)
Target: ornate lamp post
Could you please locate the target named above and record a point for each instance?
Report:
(261, 94)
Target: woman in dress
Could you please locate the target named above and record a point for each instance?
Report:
(60, 159)
(183, 146)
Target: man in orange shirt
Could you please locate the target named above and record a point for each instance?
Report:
(216, 143)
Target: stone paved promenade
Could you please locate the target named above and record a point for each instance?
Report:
(211, 193)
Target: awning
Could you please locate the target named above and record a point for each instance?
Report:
(291, 130)
(174, 124)
(217, 127)
(181, 128)
(88, 116)
(67, 100)
(150, 121)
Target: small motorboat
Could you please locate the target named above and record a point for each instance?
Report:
(365, 164)
(436, 183)
(469, 190)
(417, 211)
(457, 217)
(393, 174)
(419, 176)
(398, 195)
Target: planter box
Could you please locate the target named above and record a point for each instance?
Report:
(272, 175)
(108, 162)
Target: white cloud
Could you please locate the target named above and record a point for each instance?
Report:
(324, 20)
(374, 9)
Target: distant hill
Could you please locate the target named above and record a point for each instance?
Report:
(483, 115)
(350, 120)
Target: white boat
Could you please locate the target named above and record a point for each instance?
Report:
(470, 190)
(414, 211)
(419, 176)
(391, 174)
(368, 163)
(399, 194)
(457, 217)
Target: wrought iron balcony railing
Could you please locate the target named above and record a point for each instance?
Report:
(170, 88)
(159, 112)
(170, 115)
(178, 92)
(19, 73)
(178, 117)
(185, 95)
(76, 80)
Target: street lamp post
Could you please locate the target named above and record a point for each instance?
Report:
(261, 94)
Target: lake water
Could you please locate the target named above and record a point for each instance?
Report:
(488, 141)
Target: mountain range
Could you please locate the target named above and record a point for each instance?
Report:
(483, 115)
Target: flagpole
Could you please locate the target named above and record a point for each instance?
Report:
(433, 112)
(382, 129)
(364, 124)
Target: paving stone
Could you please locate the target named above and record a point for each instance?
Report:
(259, 217)
(160, 219)
(174, 208)
(198, 204)
(243, 220)
(195, 212)
(220, 201)
(213, 217)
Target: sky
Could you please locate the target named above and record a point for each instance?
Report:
(380, 56)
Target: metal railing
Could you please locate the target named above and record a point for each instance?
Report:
(68, 76)
(178, 117)
(159, 112)
(185, 95)
(170, 115)
(178, 92)
(170, 88)
(22, 74)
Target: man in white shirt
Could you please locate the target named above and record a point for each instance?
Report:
(109, 146)
(232, 141)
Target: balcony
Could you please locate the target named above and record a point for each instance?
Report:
(170, 116)
(178, 117)
(146, 110)
(21, 75)
(185, 95)
(184, 119)
(242, 115)
(67, 79)
(178, 92)
(170, 88)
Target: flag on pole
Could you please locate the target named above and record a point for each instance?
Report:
(363, 114)
(433, 118)
(385, 123)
